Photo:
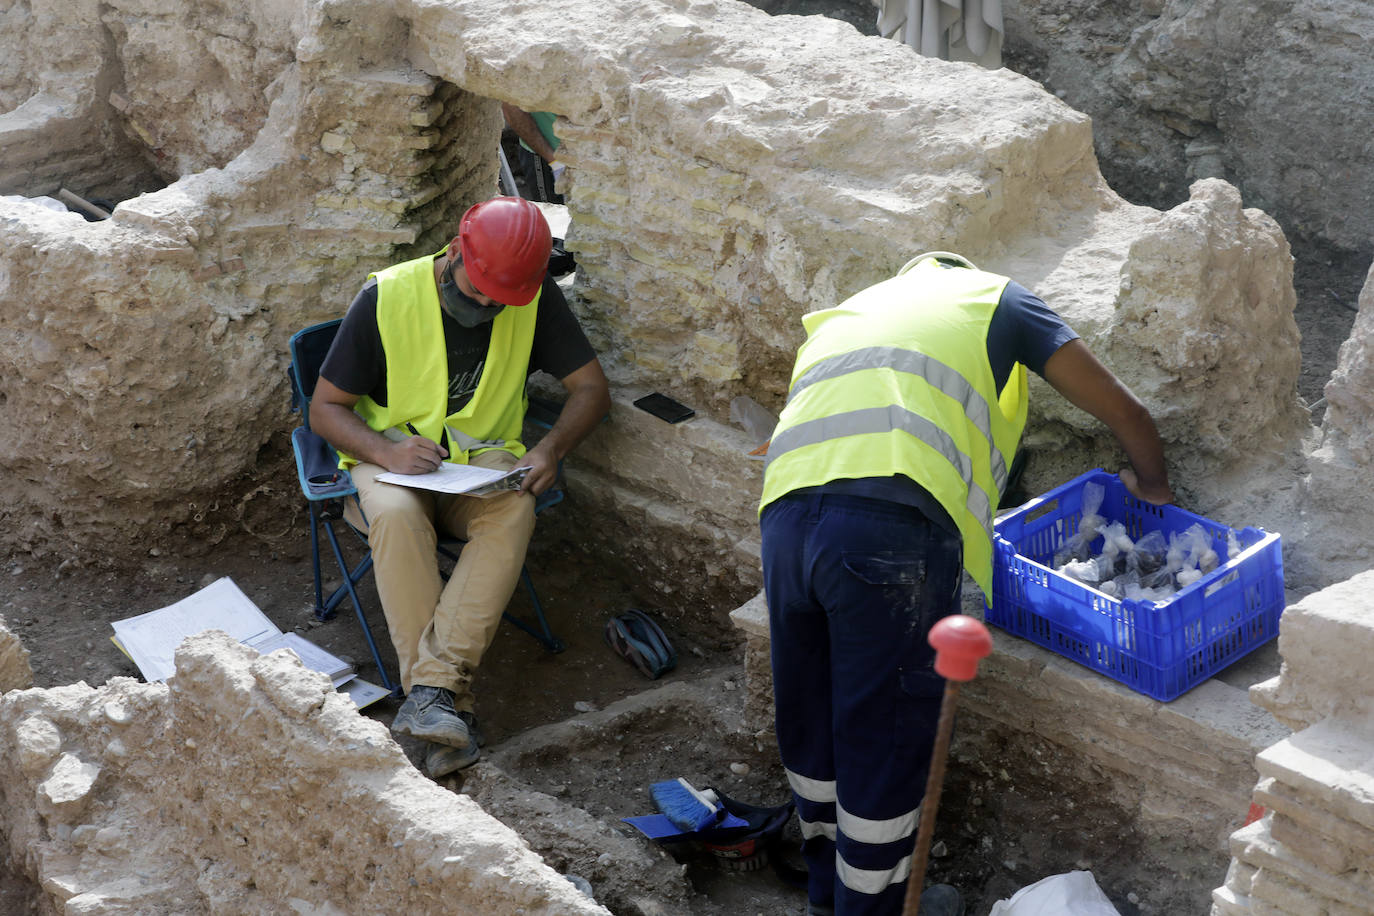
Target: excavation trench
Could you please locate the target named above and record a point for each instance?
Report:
(710, 214)
(577, 738)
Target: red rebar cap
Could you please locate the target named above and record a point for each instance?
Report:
(960, 642)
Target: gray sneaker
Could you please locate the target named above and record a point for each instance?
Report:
(428, 713)
(441, 760)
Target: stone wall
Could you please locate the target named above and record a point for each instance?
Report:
(55, 124)
(731, 174)
(1338, 507)
(1276, 97)
(1310, 851)
(281, 798)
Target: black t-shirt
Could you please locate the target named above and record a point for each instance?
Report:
(356, 362)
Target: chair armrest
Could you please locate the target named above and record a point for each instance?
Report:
(317, 467)
(550, 497)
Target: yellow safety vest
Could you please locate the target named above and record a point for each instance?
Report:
(409, 319)
(896, 380)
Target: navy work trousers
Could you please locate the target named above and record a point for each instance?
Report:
(853, 586)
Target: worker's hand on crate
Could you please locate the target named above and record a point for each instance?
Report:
(1158, 493)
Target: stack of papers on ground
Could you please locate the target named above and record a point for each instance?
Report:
(151, 640)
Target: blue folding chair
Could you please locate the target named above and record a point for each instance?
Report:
(326, 487)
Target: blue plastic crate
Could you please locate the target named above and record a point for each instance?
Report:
(1159, 649)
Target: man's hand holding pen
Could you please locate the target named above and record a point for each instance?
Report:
(415, 454)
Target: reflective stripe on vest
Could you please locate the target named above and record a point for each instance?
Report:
(410, 323)
(933, 371)
(896, 380)
(883, 420)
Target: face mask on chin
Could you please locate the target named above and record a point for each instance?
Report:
(461, 307)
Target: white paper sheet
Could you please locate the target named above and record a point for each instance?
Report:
(151, 639)
(363, 693)
(311, 655)
(456, 478)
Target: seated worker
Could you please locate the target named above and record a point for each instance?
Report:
(538, 145)
(441, 346)
(882, 480)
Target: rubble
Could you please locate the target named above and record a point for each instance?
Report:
(243, 784)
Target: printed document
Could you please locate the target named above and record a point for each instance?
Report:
(460, 479)
(150, 640)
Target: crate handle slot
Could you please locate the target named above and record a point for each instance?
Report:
(1042, 510)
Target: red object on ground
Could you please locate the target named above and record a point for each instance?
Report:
(960, 643)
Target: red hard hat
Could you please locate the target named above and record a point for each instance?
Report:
(505, 244)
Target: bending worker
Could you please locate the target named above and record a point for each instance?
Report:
(429, 365)
(906, 405)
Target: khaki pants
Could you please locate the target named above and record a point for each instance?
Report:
(440, 630)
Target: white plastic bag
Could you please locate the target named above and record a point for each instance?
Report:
(1074, 893)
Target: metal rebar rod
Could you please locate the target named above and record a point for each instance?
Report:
(931, 802)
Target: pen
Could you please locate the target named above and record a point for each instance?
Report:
(413, 430)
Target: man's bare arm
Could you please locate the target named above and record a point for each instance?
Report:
(332, 416)
(589, 398)
(526, 129)
(1077, 374)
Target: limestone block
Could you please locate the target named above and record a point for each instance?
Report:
(1324, 640)
(68, 786)
(1326, 854)
(1209, 341)
(1239, 876)
(1267, 856)
(752, 619)
(37, 742)
(1226, 902)
(1330, 764)
(752, 616)
(1274, 893)
(1315, 819)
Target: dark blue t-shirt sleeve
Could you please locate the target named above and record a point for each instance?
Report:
(560, 345)
(355, 362)
(1024, 330)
